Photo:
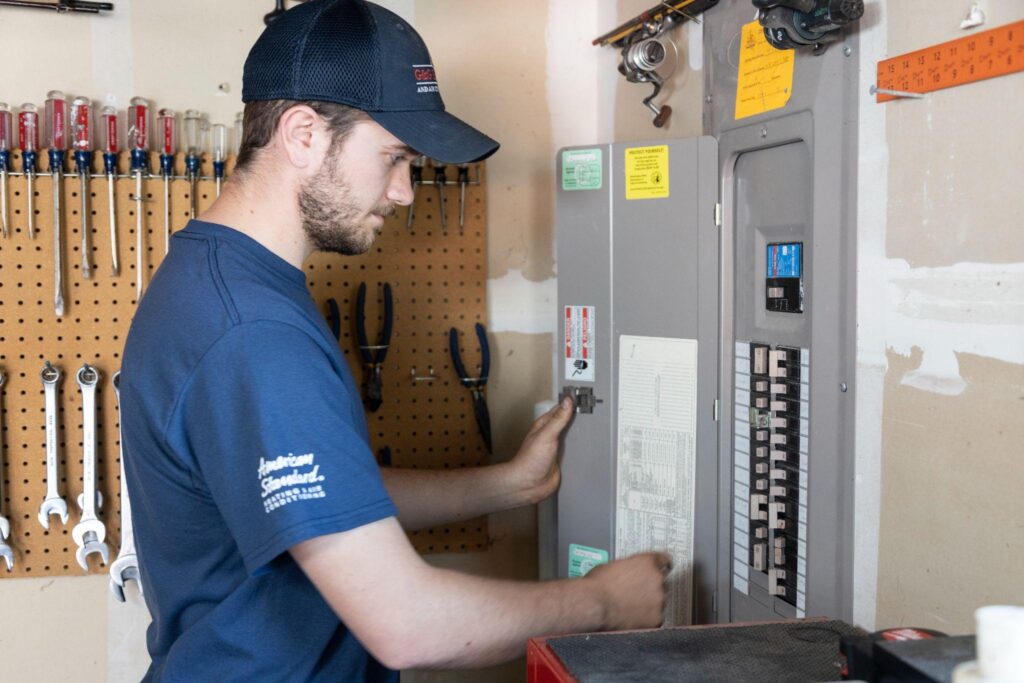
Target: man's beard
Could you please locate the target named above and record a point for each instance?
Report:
(330, 216)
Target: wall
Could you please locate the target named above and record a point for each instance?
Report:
(941, 335)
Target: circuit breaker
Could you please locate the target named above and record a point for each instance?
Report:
(638, 324)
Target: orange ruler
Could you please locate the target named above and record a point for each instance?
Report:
(988, 54)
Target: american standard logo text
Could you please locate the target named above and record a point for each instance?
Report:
(289, 478)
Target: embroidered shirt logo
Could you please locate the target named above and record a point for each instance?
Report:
(426, 78)
(289, 478)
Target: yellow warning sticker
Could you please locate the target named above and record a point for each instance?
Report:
(765, 78)
(647, 172)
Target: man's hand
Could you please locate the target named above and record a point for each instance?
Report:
(634, 590)
(535, 466)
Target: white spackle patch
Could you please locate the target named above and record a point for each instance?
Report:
(516, 304)
(975, 308)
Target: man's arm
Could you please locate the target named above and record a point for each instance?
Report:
(427, 498)
(409, 614)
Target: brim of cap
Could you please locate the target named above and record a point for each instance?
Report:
(437, 134)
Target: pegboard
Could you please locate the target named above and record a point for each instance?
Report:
(438, 279)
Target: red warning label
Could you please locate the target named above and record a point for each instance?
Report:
(579, 343)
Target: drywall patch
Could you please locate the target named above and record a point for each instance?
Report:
(516, 304)
(975, 308)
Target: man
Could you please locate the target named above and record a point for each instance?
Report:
(271, 545)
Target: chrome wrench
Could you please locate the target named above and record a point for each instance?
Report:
(90, 531)
(53, 504)
(126, 566)
(5, 526)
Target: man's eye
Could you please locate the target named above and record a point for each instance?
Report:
(396, 159)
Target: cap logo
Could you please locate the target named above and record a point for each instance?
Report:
(426, 78)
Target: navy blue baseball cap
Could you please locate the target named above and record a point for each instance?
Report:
(359, 54)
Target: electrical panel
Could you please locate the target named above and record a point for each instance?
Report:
(638, 319)
(787, 184)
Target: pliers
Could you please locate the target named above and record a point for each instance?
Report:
(373, 356)
(476, 385)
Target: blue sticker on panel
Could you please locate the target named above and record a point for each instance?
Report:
(784, 281)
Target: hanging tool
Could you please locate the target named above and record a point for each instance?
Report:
(795, 24)
(167, 126)
(643, 54)
(126, 566)
(5, 526)
(373, 356)
(6, 141)
(90, 531)
(56, 140)
(54, 503)
(416, 174)
(138, 138)
(334, 319)
(62, 6)
(463, 182)
(238, 134)
(81, 140)
(193, 148)
(109, 116)
(440, 180)
(476, 385)
(28, 142)
(220, 154)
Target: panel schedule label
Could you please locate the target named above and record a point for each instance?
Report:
(647, 172)
(582, 559)
(581, 169)
(580, 338)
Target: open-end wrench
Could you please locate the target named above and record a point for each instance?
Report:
(126, 566)
(5, 526)
(90, 532)
(53, 504)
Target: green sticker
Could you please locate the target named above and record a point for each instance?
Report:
(582, 559)
(581, 169)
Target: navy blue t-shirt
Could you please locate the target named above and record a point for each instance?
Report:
(244, 435)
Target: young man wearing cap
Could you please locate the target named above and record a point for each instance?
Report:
(271, 546)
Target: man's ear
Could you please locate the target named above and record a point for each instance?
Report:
(303, 137)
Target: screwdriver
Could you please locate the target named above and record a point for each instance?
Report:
(81, 140)
(28, 142)
(56, 140)
(239, 132)
(463, 182)
(220, 151)
(416, 171)
(109, 115)
(5, 161)
(193, 147)
(440, 180)
(167, 124)
(138, 138)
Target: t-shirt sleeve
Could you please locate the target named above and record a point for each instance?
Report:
(272, 429)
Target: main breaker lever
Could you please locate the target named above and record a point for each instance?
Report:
(582, 397)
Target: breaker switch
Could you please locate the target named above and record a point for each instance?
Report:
(756, 511)
(778, 389)
(761, 386)
(777, 440)
(761, 452)
(776, 456)
(776, 361)
(777, 581)
(761, 532)
(775, 516)
(760, 556)
(779, 544)
(761, 468)
(583, 397)
(761, 484)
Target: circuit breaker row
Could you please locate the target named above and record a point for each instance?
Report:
(771, 415)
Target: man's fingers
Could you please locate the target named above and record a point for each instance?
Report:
(664, 561)
(566, 404)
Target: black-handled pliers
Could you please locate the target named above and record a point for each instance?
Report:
(373, 356)
(476, 385)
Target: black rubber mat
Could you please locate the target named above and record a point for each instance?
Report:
(791, 652)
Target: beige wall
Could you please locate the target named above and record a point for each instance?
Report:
(941, 336)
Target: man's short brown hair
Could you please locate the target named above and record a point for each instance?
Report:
(260, 118)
